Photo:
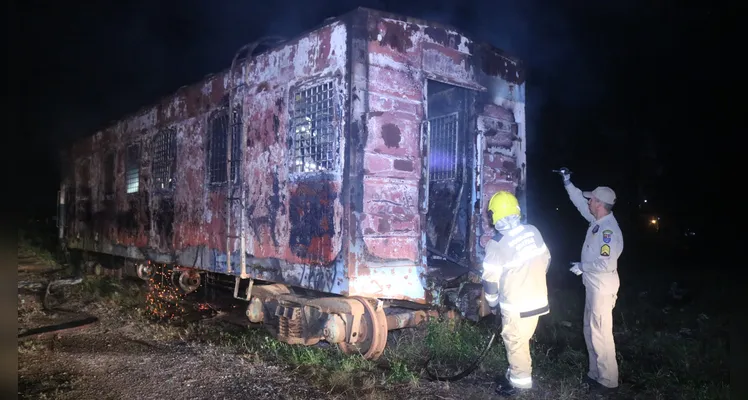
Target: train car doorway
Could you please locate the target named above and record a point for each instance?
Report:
(450, 144)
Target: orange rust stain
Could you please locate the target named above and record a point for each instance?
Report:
(320, 248)
(217, 224)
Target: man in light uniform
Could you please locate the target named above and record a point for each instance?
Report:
(599, 269)
(514, 279)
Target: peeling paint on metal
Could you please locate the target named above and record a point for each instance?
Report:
(357, 230)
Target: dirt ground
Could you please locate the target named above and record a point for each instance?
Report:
(120, 357)
(672, 345)
(117, 358)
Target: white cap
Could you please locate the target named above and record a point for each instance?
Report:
(602, 193)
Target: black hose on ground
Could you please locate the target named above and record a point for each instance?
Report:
(467, 371)
(65, 326)
(480, 358)
(59, 327)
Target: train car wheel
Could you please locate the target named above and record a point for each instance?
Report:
(374, 324)
(144, 271)
(186, 281)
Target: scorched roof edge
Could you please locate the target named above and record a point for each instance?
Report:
(325, 22)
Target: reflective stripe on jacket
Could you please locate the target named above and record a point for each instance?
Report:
(518, 262)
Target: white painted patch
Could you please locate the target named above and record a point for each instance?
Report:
(384, 60)
(279, 67)
(394, 281)
(464, 43)
(338, 46)
(207, 88)
(441, 64)
(500, 150)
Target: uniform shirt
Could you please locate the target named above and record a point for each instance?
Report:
(601, 249)
(518, 262)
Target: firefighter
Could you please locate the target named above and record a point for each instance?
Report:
(514, 281)
(599, 269)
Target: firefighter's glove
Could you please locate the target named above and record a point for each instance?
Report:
(491, 295)
(492, 300)
(576, 268)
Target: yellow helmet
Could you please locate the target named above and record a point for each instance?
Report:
(501, 205)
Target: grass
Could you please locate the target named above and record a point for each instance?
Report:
(31, 245)
(665, 351)
(668, 346)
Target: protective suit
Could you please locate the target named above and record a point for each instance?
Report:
(598, 266)
(514, 279)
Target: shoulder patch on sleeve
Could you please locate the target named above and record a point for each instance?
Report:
(607, 235)
(605, 250)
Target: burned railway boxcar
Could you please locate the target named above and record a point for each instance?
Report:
(338, 179)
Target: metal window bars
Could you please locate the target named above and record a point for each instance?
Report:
(443, 142)
(236, 131)
(164, 158)
(314, 135)
(218, 126)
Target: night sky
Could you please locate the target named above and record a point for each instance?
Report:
(616, 91)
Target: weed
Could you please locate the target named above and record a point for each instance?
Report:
(665, 349)
(33, 247)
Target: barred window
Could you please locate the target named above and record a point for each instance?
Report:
(218, 126)
(164, 158)
(132, 168)
(443, 147)
(314, 137)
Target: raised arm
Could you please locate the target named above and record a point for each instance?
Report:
(580, 202)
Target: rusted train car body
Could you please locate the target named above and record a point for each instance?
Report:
(354, 150)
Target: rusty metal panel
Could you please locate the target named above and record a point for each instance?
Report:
(449, 66)
(422, 50)
(187, 224)
(390, 219)
(355, 226)
(390, 226)
(499, 162)
(502, 159)
(402, 54)
(265, 167)
(295, 214)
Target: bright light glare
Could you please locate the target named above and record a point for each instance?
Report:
(653, 221)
